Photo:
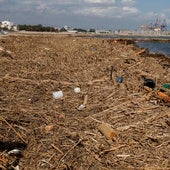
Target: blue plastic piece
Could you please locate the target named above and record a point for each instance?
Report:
(119, 79)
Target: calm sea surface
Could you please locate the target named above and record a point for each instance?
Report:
(161, 47)
(156, 47)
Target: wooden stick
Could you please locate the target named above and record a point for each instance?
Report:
(123, 156)
(111, 149)
(29, 80)
(100, 80)
(13, 129)
(80, 140)
(98, 121)
(85, 100)
(111, 72)
(141, 51)
(56, 148)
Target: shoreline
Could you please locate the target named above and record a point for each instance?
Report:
(126, 39)
(93, 35)
(135, 39)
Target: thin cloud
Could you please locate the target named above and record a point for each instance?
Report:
(77, 11)
(128, 1)
(130, 10)
(107, 12)
(100, 1)
(98, 11)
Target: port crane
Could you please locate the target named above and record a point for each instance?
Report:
(157, 26)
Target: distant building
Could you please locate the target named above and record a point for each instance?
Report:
(63, 29)
(15, 28)
(124, 32)
(8, 25)
(68, 29)
(102, 32)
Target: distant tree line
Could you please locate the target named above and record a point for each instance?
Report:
(42, 28)
(80, 30)
(92, 30)
(38, 27)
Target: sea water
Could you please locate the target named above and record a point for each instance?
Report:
(155, 47)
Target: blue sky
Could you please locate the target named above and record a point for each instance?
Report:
(99, 14)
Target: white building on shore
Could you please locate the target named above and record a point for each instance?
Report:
(102, 32)
(8, 25)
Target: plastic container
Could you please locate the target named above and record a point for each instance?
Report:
(77, 90)
(149, 83)
(58, 94)
(119, 79)
(164, 96)
(166, 86)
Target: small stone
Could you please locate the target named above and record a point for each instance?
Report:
(49, 128)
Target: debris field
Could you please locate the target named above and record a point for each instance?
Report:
(80, 103)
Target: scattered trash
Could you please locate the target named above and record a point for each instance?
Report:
(149, 83)
(108, 131)
(119, 79)
(127, 110)
(154, 102)
(163, 96)
(82, 106)
(8, 146)
(77, 90)
(57, 94)
(15, 152)
(166, 86)
(17, 167)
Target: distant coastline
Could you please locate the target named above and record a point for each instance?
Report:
(137, 40)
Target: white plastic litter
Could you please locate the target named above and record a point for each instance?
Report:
(57, 94)
(77, 90)
(81, 107)
(14, 151)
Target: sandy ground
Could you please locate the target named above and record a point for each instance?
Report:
(107, 125)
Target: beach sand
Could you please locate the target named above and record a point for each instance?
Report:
(107, 125)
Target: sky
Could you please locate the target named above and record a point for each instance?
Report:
(86, 14)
